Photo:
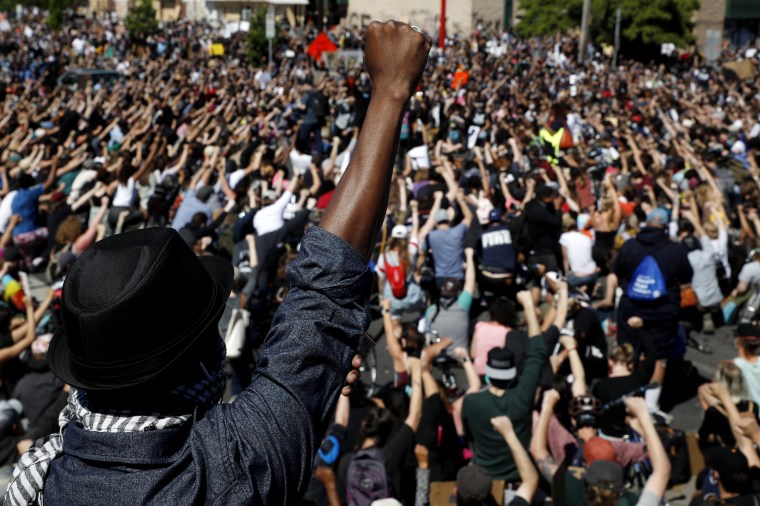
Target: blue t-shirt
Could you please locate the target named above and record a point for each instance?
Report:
(448, 251)
(25, 205)
(189, 206)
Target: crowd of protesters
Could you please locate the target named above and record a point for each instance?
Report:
(557, 235)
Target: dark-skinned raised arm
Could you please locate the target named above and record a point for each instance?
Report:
(395, 58)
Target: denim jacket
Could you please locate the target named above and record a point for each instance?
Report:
(258, 449)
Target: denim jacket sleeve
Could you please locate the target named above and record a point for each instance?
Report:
(279, 421)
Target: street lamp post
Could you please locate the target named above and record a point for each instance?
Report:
(442, 32)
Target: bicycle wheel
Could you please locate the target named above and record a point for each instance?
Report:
(368, 369)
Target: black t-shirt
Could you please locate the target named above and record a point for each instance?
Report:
(715, 431)
(610, 389)
(438, 433)
(55, 217)
(545, 225)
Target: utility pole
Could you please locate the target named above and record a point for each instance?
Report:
(442, 31)
(618, 15)
(584, 31)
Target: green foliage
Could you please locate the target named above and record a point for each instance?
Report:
(643, 21)
(55, 16)
(547, 17)
(141, 19)
(258, 46)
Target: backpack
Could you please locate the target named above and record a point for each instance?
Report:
(320, 104)
(396, 275)
(648, 282)
(367, 479)
(522, 239)
(677, 449)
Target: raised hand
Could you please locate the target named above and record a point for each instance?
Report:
(395, 57)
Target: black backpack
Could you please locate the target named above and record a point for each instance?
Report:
(522, 239)
(319, 103)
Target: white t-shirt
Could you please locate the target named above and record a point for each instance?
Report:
(82, 178)
(300, 162)
(751, 374)
(719, 249)
(125, 194)
(578, 248)
(270, 218)
(704, 282)
(750, 273)
(6, 210)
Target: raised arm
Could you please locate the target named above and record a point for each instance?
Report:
(394, 346)
(576, 365)
(528, 474)
(415, 401)
(657, 482)
(356, 210)
(466, 211)
(469, 273)
(308, 353)
(31, 333)
(539, 447)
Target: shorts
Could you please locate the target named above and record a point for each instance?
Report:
(549, 262)
(414, 300)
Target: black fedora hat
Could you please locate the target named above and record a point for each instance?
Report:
(133, 305)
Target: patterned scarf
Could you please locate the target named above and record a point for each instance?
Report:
(28, 479)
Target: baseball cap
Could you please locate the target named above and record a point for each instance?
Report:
(441, 216)
(494, 216)
(203, 193)
(597, 449)
(451, 287)
(500, 364)
(473, 484)
(748, 333)
(605, 474)
(657, 217)
(400, 232)
(733, 469)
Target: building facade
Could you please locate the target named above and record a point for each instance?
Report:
(462, 16)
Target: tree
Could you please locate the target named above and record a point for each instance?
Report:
(141, 19)
(258, 46)
(643, 22)
(547, 17)
(55, 16)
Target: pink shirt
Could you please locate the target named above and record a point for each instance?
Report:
(625, 452)
(489, 335)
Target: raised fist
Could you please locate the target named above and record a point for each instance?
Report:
(395, 57)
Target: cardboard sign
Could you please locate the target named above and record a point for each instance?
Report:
(442, 492)
(216, 50)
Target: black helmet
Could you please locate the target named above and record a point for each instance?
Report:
(585, 409)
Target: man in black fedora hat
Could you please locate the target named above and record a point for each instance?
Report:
(141, 349)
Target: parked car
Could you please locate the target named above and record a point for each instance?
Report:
(80, 77)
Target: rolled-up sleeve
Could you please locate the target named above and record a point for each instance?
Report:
(280, 419)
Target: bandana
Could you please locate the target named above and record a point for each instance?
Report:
(28, 481)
